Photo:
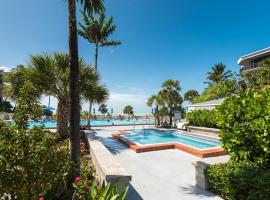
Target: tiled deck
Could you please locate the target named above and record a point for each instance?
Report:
(156, 175)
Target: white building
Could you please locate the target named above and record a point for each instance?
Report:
(251, 62)
(207, 105)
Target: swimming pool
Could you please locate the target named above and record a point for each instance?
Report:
(53, 124)
(153, 139)
(146, 137)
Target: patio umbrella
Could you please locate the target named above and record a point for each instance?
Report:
(49, 108)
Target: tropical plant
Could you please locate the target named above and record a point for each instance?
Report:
(260, 77)
(218, 74)
(103, 109)
(171, 98)
(239, 180)
(50, 73)
(90, 6)
(157, 101)
(191, 95)
(108, 192)
(222, 89)
(91, 90)
(97, 32)
(245, 125)
(128, 110)
(31, 163)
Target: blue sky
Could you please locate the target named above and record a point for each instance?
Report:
(176, 39)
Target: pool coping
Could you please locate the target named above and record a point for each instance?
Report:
(211, 152)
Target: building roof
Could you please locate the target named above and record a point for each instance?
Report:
(256, 54)
(214, 102)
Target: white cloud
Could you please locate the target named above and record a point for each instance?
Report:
(119, 100)
(5, 68)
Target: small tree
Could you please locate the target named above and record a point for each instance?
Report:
(103, 109)
(128, 110)
(190, 95)
(31, 164)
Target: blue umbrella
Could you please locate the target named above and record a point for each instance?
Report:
(49, 108)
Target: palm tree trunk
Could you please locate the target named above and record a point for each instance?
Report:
(89, 114)
(74, 89)
(63, 117)
(96, 56)
(170, 121)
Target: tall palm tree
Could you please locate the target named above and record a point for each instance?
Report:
(97, 32)
(218, 74)
(90, 6)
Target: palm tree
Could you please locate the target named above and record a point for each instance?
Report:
(103, 109)
(94, 93)
(128, 110)
(170, 95)
(218, 74)
(90, 6)
(50, 74)
(97, 31)
(155, 99)
(190, 95)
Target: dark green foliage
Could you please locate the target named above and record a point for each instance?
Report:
(31, 164)
(225, 88)
(239, 181)
(218, 74)
(93, 192)
(245, 126)
(260, 77)
(103, 109)
(190, 95)
(6, 106)
(202, 118)
(128, 110)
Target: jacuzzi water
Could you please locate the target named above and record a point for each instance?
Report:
(149, 136)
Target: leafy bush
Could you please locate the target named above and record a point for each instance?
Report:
(31, 164)
(239, 181)
(203, 118)
(245, 126)
(86, 187)
(222, 89)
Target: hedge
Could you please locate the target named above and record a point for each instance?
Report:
(239, 181)
(203, 118)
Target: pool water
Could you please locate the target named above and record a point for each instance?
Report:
(53, 124)
(147, 137)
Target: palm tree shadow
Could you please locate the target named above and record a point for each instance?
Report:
(190, 189)
(114, 146)
(133, 194)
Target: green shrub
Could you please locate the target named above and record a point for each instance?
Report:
(245, 126)
(31, 162)
(203, 118)
(239, 181)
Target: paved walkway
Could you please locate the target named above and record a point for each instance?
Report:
(156, 175)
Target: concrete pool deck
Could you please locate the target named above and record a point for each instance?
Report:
(157, 175)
